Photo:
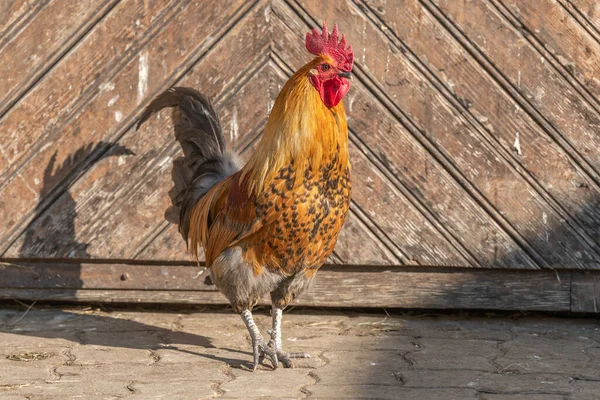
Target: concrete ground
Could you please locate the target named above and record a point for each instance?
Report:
(53, 353)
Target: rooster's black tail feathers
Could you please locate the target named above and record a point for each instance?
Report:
(205, 161)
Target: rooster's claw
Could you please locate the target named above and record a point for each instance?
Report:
(261, 350)
(282, 357)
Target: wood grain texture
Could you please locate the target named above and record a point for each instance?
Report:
(32, 131)
(585, 292)
(53, 31)
(104, 203)
(16, 14)
(588, 11)
(559, 192)
(553, 25)
(571, 120)
(372, 287)
(359, 242)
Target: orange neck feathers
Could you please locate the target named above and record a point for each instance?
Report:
(301, 131)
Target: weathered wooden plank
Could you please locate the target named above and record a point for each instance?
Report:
(417, 241)
(585, 292)
(563, 36)
(76, 78)
(32, 131)
(102, 276)
(15, 14)
(45, 40)
(590, 9)
(496, 117)
(127, 197)
(335, 286)
(168, 245)
(570, 120)
(112, 109)
(358, 244)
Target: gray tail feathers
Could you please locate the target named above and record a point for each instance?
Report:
(205, 161)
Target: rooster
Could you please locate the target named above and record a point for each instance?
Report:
(267, 226)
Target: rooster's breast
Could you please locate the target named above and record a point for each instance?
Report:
(302, 221)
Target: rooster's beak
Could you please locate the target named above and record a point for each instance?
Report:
(345, 74)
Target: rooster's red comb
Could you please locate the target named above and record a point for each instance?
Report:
(324, 43)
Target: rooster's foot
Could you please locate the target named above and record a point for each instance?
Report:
(284, 357)
(262, 350)
(275, 342)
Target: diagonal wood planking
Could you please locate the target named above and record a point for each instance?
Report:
(122, 97)
(114, 113)
(77, 79)
(556, 15)
(544, 92)
(491, 112)
(34, 128)
(435, 171)
(56, 29)
(14, 15)
(587, 12)
(580, 181)
(566, 38)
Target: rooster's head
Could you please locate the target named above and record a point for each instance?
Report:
(333, 65)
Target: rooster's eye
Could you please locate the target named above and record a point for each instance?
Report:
(325, 67)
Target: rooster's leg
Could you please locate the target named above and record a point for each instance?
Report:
(275, 341)
(260, 348)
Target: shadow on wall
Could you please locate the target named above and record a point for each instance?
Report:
(38, 241)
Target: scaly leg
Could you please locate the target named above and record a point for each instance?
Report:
(260, 348)
(275, 341)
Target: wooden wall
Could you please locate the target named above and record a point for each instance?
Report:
(475, 133)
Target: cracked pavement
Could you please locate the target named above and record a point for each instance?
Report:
(82, 352)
